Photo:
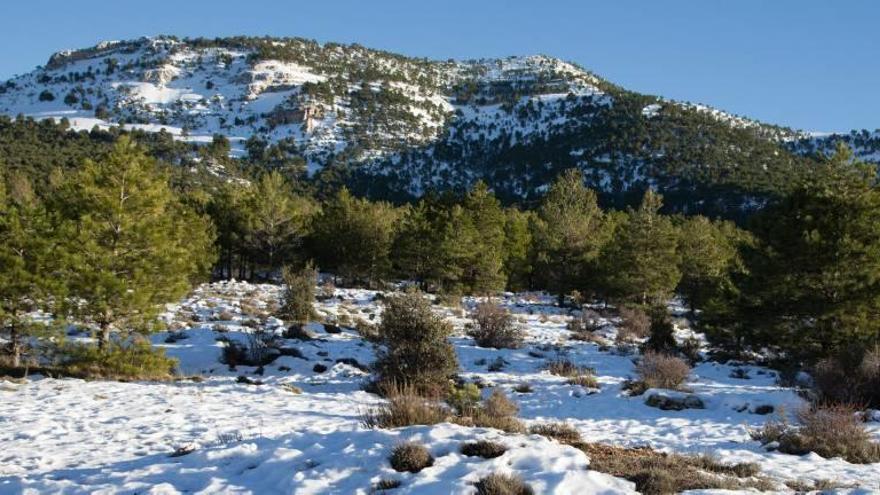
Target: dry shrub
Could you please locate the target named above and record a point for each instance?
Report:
(583, 325)
(410, 457)
(498, 412)
(561, 432)
(658, 370)
(829, 430)
(495, 327)
(503, 484)
(564, 367)
(656, 472)
(499, 405)
(484, 449)
(405, 408)
(387, 484)
(634, 324)
(585, 380)
(852, 380)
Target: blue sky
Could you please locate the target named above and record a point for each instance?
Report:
(808, 64)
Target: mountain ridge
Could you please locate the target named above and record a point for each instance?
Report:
(395, 127)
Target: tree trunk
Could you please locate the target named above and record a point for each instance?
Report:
(15, 346)
(104, 336)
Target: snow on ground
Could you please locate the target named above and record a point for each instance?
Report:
(75, 436)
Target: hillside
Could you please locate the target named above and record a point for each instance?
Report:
(395, 127)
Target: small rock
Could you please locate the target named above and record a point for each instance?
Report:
(670, 403)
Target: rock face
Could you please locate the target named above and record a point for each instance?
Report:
(674, 401)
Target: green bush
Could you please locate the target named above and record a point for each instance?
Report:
(299, 294)
(137, 361)
(414, 349)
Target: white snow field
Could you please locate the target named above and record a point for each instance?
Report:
(72, 436)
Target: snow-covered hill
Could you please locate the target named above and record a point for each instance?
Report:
(395, 126)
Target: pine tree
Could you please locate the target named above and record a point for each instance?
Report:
(708, 254)
(484, 273)
(132, 246)
(813, 283)
(276, 221)
(640, 263)
(28, 266)
(352, 237)
(518, 249)
(569, 233)
(414, 248)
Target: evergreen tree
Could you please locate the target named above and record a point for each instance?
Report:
(569, 233)
(813, 277)
(414, 251)
(276, 221)
(132, 245)
(483, 273)
(352, 237)
(640, 263)
(28, 265)
(708, 254)
(518, 249)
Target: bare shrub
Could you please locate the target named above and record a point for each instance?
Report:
(829, 430)
(484, 449)
(566, 368)
(499, 405)
(855, 380)
(587, 322)
(495, 327)
(503, 484)
(634, 323)
(658, 370)
(586, 380)
(410, 457)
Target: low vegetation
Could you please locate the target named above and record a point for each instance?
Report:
(659, 370)
(410, 457)
(829, 430)
(503, 484)
(136, 361)
(495, 327)
(483, 448)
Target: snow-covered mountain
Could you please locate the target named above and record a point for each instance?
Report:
(395, 126)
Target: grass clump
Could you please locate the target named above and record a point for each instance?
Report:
(387, 484)
(405, 407)
(829, 430)
(503, 484)
(586, 380)
(561, 432)
(135, 361)
(410, 457)
(495, 327)
(484, 449)
(566, 368)
(656, 472)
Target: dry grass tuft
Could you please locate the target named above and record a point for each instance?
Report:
(656, 472)
(410, 457)
(503, 484)
(658, 370)
(484, 449)
(561, 432)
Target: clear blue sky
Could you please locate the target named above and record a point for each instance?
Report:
(808, 64)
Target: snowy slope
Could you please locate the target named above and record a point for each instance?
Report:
(73, 436)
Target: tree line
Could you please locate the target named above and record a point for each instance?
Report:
(107, 243)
